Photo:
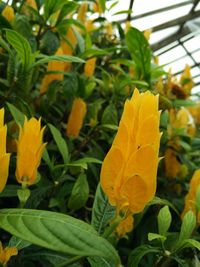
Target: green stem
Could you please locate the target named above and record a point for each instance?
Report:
(70, 261)
(112, 227)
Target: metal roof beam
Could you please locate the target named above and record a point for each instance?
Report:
(177, 21)
(153, 12)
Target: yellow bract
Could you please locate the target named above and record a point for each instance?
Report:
(128, 174)
(76, 117)
(125, 226)
(89, 67)
(4, 157)
(6, 254)
(8, 13)
(29, 151)
(53, 66)
(191, 196)
(82, 12)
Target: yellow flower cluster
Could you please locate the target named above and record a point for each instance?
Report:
(4, 157)
(128, 174)
(76, 117)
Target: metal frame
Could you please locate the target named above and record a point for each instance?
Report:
(179, 38)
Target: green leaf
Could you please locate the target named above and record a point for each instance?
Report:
(64, 58)
(22, 46)
(60, 142)
(140, 51)
(10, 191)
(57, 231)
(102, 4)
(80, 193)
(187, 227)
(183, 103)
(5, 46)
(153, 236)
(51, 6)
(164, 220)
(137, 254)
(21, 25)
(190, 243)
(66, 9)
(197, 199)
(110, 115)
(18, 243)
(159, 201)
(102, 211)
(84, 162)
(16, 113)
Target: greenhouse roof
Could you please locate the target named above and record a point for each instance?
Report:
(175, 29)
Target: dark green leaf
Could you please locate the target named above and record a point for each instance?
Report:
(80, 193)
(140, 51)
(62, 146)
(137, 254)
(16, 113)
(22, 46)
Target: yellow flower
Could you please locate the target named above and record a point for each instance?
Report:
(4, 157)
(53, 66)
(125, 226)
(182, 119)
(89, 67)
(97, 7)
(8, 13)
(171, 164)
(29, 151)
(128, 174)
(76, 117)
(68, 47)
(82, 12)
(191, 196)
(147, 34)
(186, 79)
(6, 254)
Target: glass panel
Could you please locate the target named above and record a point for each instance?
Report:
(171, 55)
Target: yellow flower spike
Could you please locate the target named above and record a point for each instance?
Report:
(82, 12)
(128, 174)
(29, 151)
(125, 226)
(8, 13)
(147, 34)
(97, 7)
(89, 67)
(76, 117)
(171, 164)
(186, 79)
(4, 157)
(53, 66)
(191, 196)
(6, 254)
(68, 47)
(127, 26)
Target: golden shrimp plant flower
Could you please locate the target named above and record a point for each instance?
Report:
(7, 253)
(76, 117)
(29, 151)
(128, 174)
(4, 157)
(190, 199)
